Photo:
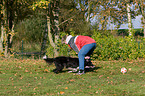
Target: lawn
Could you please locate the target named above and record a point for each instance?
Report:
(35, 77)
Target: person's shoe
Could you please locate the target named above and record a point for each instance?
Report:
(81, 72)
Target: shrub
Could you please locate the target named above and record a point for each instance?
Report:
(63, 49)
(108, 48)
(112, 48)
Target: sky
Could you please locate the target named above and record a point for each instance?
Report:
(136, 23)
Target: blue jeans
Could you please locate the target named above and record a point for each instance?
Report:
(86, 50)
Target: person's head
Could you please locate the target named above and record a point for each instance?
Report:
(68, 39)
(65, 39)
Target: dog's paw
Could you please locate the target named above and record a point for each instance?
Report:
(44, 57)
(70, 71)
(92, 66)
(55, 71)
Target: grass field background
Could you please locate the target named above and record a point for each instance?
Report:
(35, 77)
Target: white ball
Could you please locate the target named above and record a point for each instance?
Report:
(123, 70)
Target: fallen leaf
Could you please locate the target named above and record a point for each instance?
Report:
(46, 70)
(21, 78)
(96, 92)
(26, 70)
(35, 88)
(100, 76)
(132, 80)
(16, 74)
(61, 92)
(66, 87)
(72, 80)
(20, 89)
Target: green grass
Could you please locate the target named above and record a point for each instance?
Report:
(34, 77)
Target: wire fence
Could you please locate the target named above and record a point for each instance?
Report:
(25, 50)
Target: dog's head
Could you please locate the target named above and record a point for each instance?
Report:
(44, 57)
(48, 60)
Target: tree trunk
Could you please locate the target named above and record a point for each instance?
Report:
(50, 37)
(143, 14)
(56, 20)
(144, 25)
(89, 5)
(53, 25)
(2, 38)
(45, 36)
(129, 19)
(5, 28)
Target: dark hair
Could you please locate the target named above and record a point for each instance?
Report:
(63, 39)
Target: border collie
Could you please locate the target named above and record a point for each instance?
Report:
(67, 62)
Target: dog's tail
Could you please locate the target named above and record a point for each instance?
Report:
(48, 60)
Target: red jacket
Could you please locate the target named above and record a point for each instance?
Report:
(80, 41)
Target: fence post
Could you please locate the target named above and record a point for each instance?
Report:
(22, 50)
(138, 44)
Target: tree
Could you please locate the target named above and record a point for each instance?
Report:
(1, 38)
(114, 11)
(54, 21)
(4, 27)
(128, 5)
(141, 10)
(11, 13)
(72, 19)
(52, 12)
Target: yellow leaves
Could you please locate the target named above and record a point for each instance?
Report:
(82, 9)
(93, 16)
(43, 4)
(1, 12)
(11, 33)
(71, 19)
(71, 10)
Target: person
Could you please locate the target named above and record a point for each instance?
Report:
(84, 46)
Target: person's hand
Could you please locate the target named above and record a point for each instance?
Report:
(87, 57)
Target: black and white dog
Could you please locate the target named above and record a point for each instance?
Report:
(67, 62)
